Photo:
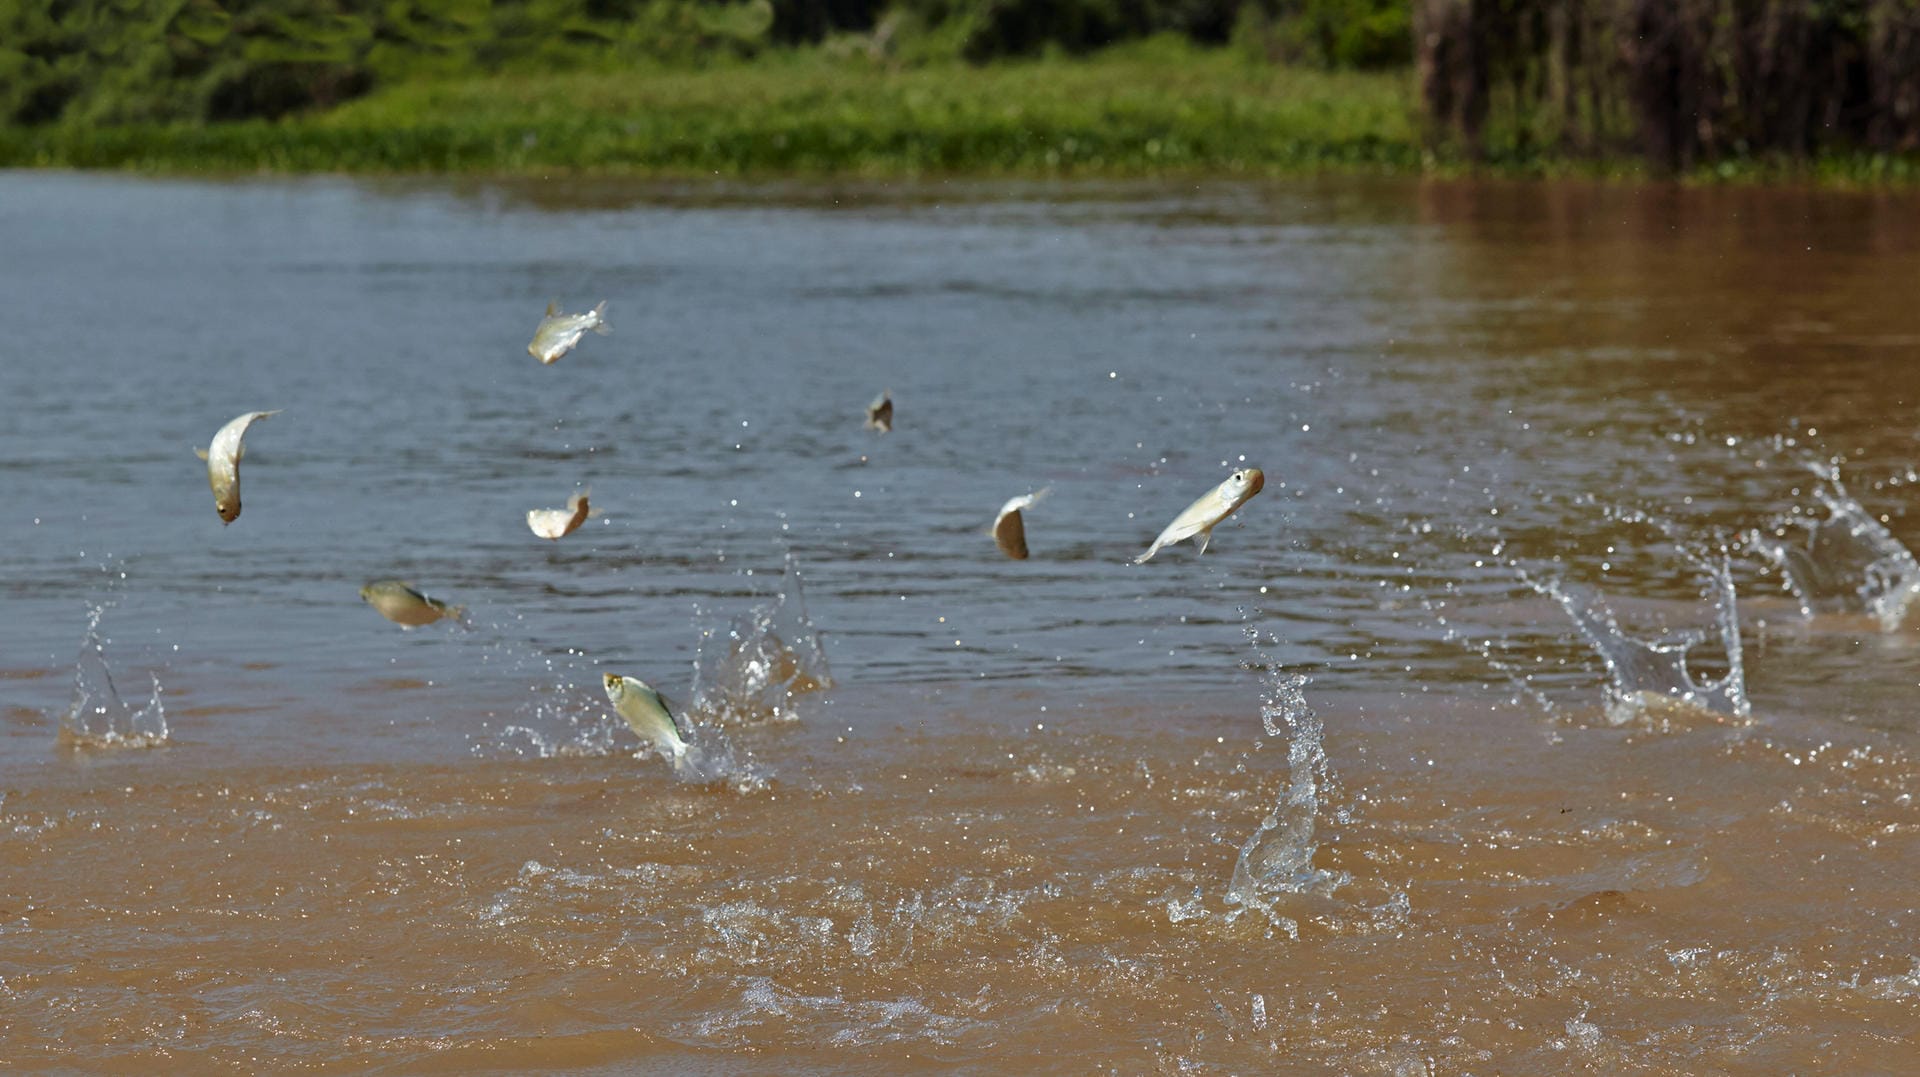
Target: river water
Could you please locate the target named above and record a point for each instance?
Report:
(1550, 709)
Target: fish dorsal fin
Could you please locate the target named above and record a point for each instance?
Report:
(200, 452)
(553, 307)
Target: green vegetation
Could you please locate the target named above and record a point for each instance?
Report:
(1715, 85)
(1726, 89)
(184, 61)
(1155, 107)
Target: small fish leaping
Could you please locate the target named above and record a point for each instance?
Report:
(1214, 506)
(223, 458)
(646, 714)
(880, 412)
(557, 524)
(408, 608)
(557, 333)
(1010, 529)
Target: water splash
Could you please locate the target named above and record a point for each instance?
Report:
(571, 724)
(98, 718)
(561, 723)
(1276, 862)
(562, 715)
(757, 668)
(752, 672)
(1848, 562)
(710, 756)
(1651, 680)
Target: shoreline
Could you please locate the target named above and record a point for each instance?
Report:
(875, 187)
(239, 151)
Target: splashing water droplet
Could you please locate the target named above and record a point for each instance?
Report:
(97, 718)
(1277, 860)
(1650, 680)
(1848, 562)
(767, 658)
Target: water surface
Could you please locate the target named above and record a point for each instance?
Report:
(1064, 814)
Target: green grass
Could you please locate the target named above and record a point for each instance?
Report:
(1159, 107)
(1155, 108)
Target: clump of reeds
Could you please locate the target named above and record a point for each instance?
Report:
(1682, 81)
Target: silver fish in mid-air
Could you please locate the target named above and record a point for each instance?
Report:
(646, 714)
(558, 523)
(1010, 529)
(558, 333)
(406, 607)
(1214, 506)
(223, 463)
(880, 412)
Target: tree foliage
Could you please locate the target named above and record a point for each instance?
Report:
(129, 61)
(1330, 33)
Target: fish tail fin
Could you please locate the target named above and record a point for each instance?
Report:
(459, 615)
(1148, 556)
(241, 453)
(600, 314)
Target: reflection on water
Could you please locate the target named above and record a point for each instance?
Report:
(1026, 815)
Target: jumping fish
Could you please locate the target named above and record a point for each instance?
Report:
(406, 607)
(1214, 506)
(559, 523)
(558, 333)
(223, 463)
(646, 714)
(880, 412)
(1010, 529)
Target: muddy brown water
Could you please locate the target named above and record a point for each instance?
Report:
(1010, 836)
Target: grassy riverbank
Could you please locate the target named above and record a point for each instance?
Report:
(1157, 107)
(1154, 107)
